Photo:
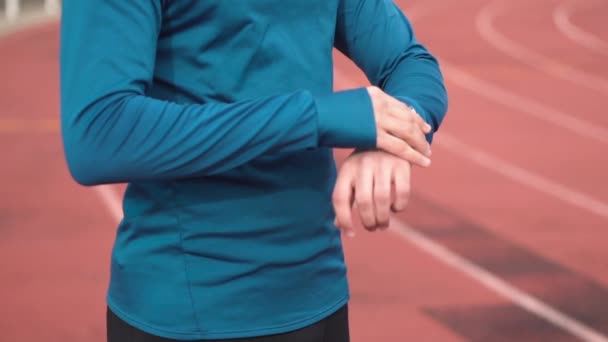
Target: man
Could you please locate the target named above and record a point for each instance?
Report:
(221, 117)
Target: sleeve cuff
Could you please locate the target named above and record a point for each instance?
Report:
(425, 116)
(346, 119)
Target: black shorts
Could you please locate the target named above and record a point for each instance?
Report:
(331, 329)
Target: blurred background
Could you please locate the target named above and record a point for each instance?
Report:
(505, 237)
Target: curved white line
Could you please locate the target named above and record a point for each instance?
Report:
(525, 105)
(485, 26)
(562, 17)
(111, 199)
(522, 176)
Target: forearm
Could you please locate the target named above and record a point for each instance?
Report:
(131, 137)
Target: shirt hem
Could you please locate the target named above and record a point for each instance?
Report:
(183, 335)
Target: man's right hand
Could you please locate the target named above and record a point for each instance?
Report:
(400, 130)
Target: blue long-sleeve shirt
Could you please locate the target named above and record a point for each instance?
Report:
(221, 117)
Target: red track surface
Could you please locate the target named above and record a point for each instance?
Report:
(543, 233)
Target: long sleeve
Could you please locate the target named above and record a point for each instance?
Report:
(378, 37)
(114, 132)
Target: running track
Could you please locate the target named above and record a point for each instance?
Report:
(505, 237)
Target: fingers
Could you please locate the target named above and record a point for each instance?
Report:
(342, 200)
(401, 183)
(364, 195)
(424, 126)
(406, 110)
(411, 134)
(403, 122)
(382, 194)
(377, 183)
(401, 149)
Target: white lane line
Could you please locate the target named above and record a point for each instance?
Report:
(111, 200)
(520, 298)
(525, 105)
(562, 17)
(512, 100)
(26, 20)
(12, 9)
(509, 99)
(520, 175)
(485, 27)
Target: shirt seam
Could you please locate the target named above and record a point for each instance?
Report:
(184, 258)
